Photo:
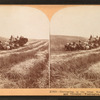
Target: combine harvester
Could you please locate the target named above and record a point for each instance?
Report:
(93, 42)
(13, 43)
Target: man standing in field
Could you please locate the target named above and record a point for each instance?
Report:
(12, 39)
(1, 47)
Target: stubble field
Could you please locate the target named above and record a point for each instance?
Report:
(73, 69)
(25, 67)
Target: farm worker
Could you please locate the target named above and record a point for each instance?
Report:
(80, 42)
(12, 39)
(99, 41)
(74, 44)
(18, 38)
(97, 38)
(90, 37)
(0, 43)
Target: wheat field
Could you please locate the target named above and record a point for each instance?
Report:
(28, 66)
(74, 69)
(25, 67)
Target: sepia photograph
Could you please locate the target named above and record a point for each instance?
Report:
(49, 50)
(75, 47)
(24, 47)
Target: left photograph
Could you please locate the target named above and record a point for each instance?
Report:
(24, 47)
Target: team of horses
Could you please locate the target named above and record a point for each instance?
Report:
(13, 43)
(92, 42)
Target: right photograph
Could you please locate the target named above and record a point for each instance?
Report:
(75, 47)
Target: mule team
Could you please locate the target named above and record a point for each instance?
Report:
(92, 42)
(13, 43)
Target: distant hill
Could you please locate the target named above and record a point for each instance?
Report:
(58, 41)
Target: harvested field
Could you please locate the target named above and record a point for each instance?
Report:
(25, 67)
(74, 69)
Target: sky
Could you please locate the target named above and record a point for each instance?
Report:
(76, 21)
(38, 21)
(26, 21)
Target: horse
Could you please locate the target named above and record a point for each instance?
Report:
(6, 47)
